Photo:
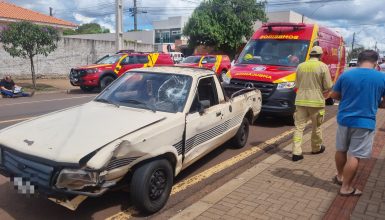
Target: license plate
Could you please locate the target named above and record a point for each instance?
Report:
(23, 186)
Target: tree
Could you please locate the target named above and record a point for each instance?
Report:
(355, 52)
(26, 40)
(223, 24)
(90, 28)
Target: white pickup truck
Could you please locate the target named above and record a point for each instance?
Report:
(140, 132)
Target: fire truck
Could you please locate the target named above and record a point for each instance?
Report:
(268, 62)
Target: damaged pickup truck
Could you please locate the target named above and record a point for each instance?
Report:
(139, 133)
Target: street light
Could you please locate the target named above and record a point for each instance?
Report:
(303, 16)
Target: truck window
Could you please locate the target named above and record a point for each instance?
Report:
(142, 59)
(206, 91)
(274, 52)
(210, 59)
(128, 60)
(109, 59)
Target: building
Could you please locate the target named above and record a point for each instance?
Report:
(169, 30)
(10, 13)
(284, 16)
(145, 36)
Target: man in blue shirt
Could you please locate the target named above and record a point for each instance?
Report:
(360, 91)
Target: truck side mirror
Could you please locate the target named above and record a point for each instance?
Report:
(203, 105)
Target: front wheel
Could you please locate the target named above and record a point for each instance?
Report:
(151, 185)
(222, 75)
(240, 139)
(107, 80)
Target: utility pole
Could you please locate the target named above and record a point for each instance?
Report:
(50, 11)
(135, 14)
(119, 25)
(354, 38)
(375, 47)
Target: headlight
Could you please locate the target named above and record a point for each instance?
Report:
(286, 85)
(76, 179)
(226, 77)
(91, 71)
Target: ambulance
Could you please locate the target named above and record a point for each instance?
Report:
(268, 62)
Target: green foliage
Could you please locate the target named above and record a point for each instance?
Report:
(24, 39)
(90, 28)
(223, 24)
(355, 52)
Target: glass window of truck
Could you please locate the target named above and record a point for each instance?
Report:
(274, 52)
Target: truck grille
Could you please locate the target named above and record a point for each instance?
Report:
(266, 88)
(34, 172)
(77, 73)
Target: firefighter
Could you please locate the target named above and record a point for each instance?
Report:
(314, 84)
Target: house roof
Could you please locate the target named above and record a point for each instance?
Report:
(11, 12)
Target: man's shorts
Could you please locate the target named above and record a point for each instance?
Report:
(357, 142)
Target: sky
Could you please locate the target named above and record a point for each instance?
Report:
(366, 18)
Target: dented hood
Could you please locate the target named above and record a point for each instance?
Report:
(67, 136)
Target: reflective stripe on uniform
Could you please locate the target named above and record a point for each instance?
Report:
(310, 103)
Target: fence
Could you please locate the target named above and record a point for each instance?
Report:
(70, 53)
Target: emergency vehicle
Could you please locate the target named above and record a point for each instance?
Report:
(218, 63)
(269, 60)
(110, 67)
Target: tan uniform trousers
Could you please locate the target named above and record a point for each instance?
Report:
(301, 117)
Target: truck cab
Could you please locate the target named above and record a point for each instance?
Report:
(270, 58)
(110, 67)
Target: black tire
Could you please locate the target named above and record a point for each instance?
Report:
(142, 183)
(87, 88)
(240, 139)
(329, 101)
(105, 81)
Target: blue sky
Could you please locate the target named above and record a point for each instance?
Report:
(365, 17)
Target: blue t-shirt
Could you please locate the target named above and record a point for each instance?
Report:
(361, 90)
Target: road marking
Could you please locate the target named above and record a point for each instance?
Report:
(15, 120)
(48, 100)
(211, 171)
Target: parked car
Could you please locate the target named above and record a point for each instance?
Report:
(140, 132)
(177, 57)
(353, 62)
(110, 67)
(269, 61)
(218, 63)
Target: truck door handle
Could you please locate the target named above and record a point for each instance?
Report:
(219, 114)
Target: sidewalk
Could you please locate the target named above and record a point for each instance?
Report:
(278, 188)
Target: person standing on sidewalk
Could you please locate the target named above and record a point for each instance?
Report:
(313, 82)
(360, 91)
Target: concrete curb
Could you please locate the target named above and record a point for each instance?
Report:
(209, 200)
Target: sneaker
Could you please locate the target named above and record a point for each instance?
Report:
(297, 157)
(323, 148)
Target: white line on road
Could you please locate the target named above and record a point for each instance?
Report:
(15, 120)
(47, 100)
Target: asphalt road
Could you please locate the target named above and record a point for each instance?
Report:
(267, 135)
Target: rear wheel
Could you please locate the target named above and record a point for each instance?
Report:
(107, 80)
(151, 185)
(240, 139)
(329, 101)
(86, 88)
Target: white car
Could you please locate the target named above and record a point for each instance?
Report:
(140, 132)
(353, 62)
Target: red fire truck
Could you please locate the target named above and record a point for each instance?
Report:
(269, 60)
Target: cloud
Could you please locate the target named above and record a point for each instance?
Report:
(365, 18)
(83, 19)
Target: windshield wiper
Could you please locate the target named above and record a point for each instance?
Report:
(137, 102)
(106, 101)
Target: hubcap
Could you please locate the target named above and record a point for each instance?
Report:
(158, 182)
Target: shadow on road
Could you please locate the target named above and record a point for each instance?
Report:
(19, 206)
